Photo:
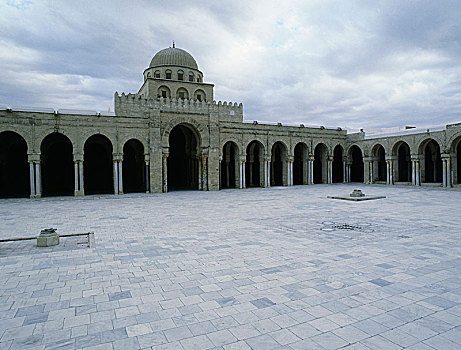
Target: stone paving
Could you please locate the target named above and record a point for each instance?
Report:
(278, 268)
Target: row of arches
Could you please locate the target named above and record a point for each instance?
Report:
(279, 169)
(424, 167)
(58, 171)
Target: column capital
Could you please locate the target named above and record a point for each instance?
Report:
(204, 156)
(165, 155)
(146, 157)
(367, 159)
(117, 156)
(242, 159)
(445, 156)
(78, 157)
(389, 158)
(290, 158)
(33, 157)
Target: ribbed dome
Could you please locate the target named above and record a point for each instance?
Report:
(172, 56)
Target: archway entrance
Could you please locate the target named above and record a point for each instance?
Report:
(278, 164)
(432, 163)
(300, 164)
(14, 167)
(356, 164)
(338, 164)
(254, 165)
(379, 164)
(320, 164)
(403, 163)
(229, 166)
(57, 165)
(133, 167)
(182, 161)
(97, 165)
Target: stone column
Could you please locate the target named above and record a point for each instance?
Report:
(115, 177)
(32, 179)
(390, 169)
(310, 170)
(35, 175)
(290, 171)
(267, 171)
(147, 173)
(329, 170)
(344, 170)
(116, 158)
(415, 169)
(120, 176)
(446, 169)
(165, 171)
(204, 180)
(78, 175)
(449, 181)
(367, 170)
(242, 161)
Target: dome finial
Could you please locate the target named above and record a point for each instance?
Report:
(173, 44)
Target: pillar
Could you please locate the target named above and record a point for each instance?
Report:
(329, 170)
(345, 170)
(310, 170)
(367, 170)
(35, 175)
(446, 170)
(118, 180)
(415, 169)
(165, 171)
(390, 169)
(147, 172)
(290, 171)
(120, 177)
(78, 175)
(204, 166)
(267, 171)
(242, 160)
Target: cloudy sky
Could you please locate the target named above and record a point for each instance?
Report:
(371, 64)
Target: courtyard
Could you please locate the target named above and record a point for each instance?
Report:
(275, 268)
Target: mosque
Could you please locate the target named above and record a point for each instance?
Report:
(172, 135)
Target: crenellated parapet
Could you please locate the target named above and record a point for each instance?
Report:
(136, 105)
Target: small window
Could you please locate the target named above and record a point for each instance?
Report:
(168, 75)
(180, 76)
(157, 74)
(181, 94)
(198, 80)
(199, 97)
(191, 77)
(164, 94)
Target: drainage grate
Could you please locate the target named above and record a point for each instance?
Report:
(341, 226)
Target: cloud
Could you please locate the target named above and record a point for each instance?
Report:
(350, 64)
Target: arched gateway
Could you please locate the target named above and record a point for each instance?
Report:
(183, 158)
(14, 170)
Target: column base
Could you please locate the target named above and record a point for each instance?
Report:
(35, 196)
(78, 194)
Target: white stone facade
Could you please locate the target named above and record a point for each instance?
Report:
(173, 135)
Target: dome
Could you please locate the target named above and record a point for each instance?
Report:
(172, 56)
